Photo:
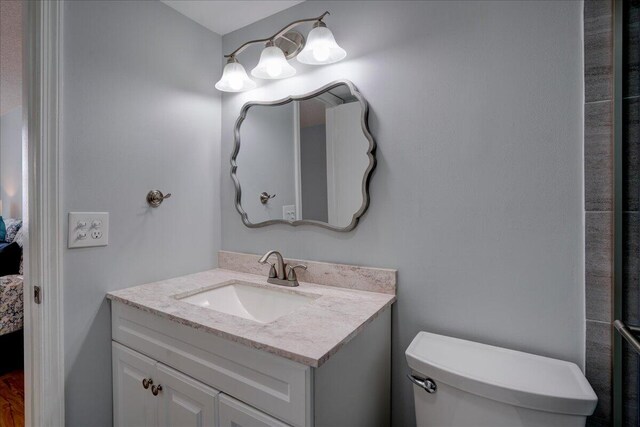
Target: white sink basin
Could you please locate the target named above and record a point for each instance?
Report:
(253, 302)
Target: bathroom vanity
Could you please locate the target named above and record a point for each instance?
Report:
(226, 348)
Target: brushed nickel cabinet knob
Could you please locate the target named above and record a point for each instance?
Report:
(156, 389)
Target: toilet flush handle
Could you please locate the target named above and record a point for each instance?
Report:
(426, 383)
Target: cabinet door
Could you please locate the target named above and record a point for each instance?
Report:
(234, 413)
(183, 401)
(132, 403)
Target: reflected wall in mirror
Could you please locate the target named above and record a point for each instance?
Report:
(304, 159)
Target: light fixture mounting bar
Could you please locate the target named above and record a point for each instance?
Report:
(276, 35)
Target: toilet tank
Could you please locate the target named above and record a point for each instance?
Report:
(481, 385)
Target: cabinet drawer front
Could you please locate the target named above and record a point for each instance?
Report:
(234, 413)
(277, 386)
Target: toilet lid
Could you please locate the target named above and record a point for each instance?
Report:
(507, 376)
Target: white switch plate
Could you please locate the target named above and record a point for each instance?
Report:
(289, 212)
(88, 229)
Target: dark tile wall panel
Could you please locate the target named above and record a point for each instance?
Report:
(598, 265)
(598, 368)
(631, 264)
(631, 48)
(599, 199)
(630, 388)
(631, 154)
(598, 38)
(598, 156)
(631, 158)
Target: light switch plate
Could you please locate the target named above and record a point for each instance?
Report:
(289, 212)
(88, 229)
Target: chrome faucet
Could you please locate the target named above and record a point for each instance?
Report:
(278, 273)
(277, 269)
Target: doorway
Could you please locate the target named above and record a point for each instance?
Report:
(12, 233)
(29, 176)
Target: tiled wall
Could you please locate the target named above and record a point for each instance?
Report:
(598, 170)
(631, 170)
(599, 198)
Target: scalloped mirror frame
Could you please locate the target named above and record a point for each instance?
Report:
(364, 117)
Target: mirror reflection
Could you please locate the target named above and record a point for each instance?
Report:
(305, 159)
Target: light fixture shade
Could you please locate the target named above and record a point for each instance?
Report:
(321, 47)
(234, 78)
(273, 65)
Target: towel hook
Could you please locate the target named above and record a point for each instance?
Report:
(264, 197)
(155, 198)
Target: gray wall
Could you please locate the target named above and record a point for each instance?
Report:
(477, 197)
(11, 163)
(139, 112)
(313, 167)
(266, 161)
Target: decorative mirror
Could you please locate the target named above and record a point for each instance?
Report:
(304, 159)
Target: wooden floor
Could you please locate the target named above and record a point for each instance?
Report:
(12, 399)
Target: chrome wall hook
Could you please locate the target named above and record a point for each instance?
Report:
(155, 198)
(264, 197)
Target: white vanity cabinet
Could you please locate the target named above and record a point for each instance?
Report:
(234, 413)
(168, 398)
(184, 401)
(180, 401)
(208, 380)
(133, 405)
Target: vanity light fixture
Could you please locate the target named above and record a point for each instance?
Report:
(321, 47)
(234, 77)
(284, 45)
(273, 64)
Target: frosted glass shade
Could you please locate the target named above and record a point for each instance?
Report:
(273, 65)
(234, 78)
(321, 48)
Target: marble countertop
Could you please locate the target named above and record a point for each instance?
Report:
(309, 335)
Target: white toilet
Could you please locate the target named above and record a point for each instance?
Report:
(460, 383)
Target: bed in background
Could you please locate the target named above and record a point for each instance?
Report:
(12, 305)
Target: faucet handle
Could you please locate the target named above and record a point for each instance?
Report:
(272, 271)
(291, 272)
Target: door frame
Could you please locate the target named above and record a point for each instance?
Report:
(297, 165)
(43, 322)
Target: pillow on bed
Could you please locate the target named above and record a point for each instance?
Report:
(20, 239)
(13, 225)
(3, 230)
(10, 259)
(21, 235)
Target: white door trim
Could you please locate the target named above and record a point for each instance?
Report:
(297, 160)
(44, 347)
(331, 166)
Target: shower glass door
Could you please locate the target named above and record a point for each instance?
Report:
(627, 220)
